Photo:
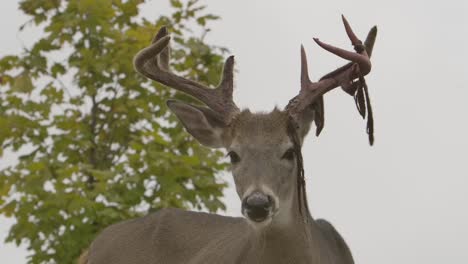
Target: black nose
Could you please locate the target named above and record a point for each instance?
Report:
(257, 206)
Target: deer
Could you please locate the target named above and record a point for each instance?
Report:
(266, 163)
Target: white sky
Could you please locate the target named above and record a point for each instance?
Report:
(405, 200)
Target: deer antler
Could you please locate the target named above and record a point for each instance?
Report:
(153, 62)
(311, 93)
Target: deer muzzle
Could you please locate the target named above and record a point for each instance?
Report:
(257, 206)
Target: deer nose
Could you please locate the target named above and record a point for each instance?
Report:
(257, 206)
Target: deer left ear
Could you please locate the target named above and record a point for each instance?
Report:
(200, 122)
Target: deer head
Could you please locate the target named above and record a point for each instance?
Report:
(264, 148)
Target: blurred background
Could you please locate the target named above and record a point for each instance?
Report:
(87, 142)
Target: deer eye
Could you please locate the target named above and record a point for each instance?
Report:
(234, 157)
(289, 154)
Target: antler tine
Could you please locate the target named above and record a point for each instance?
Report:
(227, 81)
(153, 62)
(370, 40)
(305, 80)
(164, 54)
(349, 31)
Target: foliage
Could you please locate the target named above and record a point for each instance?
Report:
(97, 143)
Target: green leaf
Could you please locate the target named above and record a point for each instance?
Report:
(9, 208)
(23, 83)
(176, 3)
(57, 69)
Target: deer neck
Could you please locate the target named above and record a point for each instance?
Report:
(293, 240)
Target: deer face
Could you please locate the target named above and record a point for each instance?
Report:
(262, 152)
(263, 161)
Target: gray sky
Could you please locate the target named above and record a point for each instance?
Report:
(405, 200)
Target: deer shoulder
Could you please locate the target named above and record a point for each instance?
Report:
(338, 250)
(170, 234)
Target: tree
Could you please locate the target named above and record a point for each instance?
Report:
(100, 144)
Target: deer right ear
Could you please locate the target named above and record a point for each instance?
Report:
(200, 122)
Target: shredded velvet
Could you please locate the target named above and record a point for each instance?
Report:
(301, 184)
(361, 97)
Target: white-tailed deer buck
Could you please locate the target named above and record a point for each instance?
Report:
(265, 151)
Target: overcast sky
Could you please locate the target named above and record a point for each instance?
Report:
(405, 200)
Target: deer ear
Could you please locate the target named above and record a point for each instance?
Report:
(200, 122)
(313, 113)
